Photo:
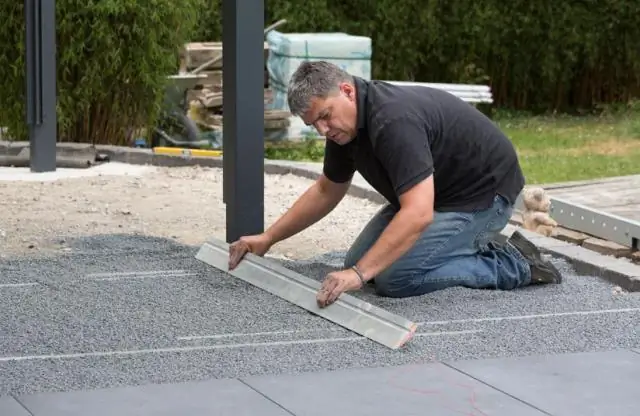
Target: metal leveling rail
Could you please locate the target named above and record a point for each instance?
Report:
(592, 221)
(348, 311)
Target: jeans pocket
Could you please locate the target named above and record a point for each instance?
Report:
(495, 221)
(502, 215)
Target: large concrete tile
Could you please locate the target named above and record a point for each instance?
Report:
(580, 384)
(10, 407)
(417, 390)
(210, 398)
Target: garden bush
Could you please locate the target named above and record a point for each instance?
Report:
(113, 57)
(544, 55)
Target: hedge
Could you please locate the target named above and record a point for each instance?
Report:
(114, 55)
(113, 58)
(541, 55)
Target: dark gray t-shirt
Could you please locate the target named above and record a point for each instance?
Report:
(407, 133)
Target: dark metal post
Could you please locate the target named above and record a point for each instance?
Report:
(243, 118)
(41, 83)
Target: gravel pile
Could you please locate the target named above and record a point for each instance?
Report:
(183, 204)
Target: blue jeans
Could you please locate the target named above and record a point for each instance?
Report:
(457, 249)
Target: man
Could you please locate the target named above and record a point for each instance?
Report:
(450, 175)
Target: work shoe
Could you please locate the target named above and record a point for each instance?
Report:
(542, 271)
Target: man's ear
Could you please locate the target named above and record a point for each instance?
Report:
(348, 90)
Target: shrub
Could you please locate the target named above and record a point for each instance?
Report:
(113, 57)
(543, 55)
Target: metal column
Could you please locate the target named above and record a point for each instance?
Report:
(41, 83)
(243, 118)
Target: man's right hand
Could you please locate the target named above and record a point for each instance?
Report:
(312, 206)
(257, 244)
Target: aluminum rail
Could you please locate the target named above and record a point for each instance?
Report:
(363, 318)
(592, 221)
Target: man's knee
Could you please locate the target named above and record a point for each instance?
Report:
(392, 284)
(408, 283)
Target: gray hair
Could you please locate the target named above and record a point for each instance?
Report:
(313, 79)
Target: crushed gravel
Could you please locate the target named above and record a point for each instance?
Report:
(183, 204)
(162, 316)
(177, 319)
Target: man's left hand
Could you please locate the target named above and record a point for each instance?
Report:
(335, 284)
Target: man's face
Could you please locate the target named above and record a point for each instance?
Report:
(336, 116)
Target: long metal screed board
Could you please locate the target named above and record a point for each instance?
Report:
(348, 311)
(592, 221)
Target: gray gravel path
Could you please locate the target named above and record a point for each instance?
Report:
(162, 316)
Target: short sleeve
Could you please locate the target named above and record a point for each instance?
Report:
(339, 164)
(403, 148)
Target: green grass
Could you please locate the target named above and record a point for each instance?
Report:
(565, 148)
(551, 148)
(307, 150)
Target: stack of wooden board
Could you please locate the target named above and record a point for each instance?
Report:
(205, 99)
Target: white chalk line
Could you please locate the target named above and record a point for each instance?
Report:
(454, 321)
(306, 341)
(526, 317)
(136, 273)
(13, 285)
(247, 334)
(209, 347)
(114, 276)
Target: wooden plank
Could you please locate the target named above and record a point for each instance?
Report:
(194, 54)
(602, 201)
(614, 186)
(602, 196)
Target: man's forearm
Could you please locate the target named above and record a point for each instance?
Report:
(310, 208)
(402, 232)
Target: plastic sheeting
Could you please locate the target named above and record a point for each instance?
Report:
(288, 50)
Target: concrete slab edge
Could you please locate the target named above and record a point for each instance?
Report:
(619, 271)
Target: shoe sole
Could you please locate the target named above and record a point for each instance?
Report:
(547, 272)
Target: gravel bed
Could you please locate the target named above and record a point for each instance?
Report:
(63, 328)
(183, 204)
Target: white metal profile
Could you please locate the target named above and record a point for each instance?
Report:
(348, 311)
(594, 222)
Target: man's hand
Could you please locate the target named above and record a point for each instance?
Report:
(335, 284)
(257, 244)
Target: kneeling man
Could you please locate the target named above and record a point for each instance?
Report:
(450, 177)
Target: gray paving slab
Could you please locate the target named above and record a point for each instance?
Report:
(10, 407)
(160, 316)
(578, 384)
(211, 398)
(415, 390)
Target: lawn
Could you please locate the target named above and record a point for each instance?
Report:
(551, 148)
(563, 148)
